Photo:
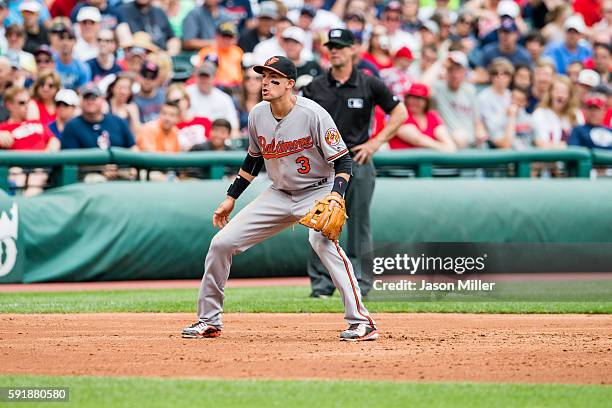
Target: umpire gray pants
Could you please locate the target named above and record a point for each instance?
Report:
(359, 245)
(267, 215)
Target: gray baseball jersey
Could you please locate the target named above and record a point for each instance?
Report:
(298, 149)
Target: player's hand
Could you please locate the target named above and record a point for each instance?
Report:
(6, 139)
(365, 151)
(221, 215)
(335, 203)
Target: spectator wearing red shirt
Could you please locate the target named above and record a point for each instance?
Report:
(193, 130)
(590, 10)
(423, 127)
(18, 133)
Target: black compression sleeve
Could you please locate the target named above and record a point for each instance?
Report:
(340, 185)
(344, 164)
(252, 165)
(237, 187)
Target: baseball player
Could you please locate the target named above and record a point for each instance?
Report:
(307, 161)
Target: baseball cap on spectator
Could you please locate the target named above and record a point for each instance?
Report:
(294, 33)
(67, 96)
(419, 90)
(279, 64)
(341, 37)
(355, 15)
(207, 68)
(58, 27)
(393, 6)
(268, 9)
(595, 100)
(227, 29)
(575, 23)
(508, 8)
(588, 77)
(507, 24)
(89, 13)
(61, 28)
(90, 89)
(308, 11)
(459, 58)
(137, 51)
(404, 52)
(31, 6)
(43, 49)
(149, 70)
(430, 26)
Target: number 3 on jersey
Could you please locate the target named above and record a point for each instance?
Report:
(305, 163)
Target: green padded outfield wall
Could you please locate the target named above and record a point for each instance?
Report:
(121, 231)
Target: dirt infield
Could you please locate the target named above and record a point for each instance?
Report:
(425, 347)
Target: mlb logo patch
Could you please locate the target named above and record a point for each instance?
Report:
(355, 103)
(335, 33)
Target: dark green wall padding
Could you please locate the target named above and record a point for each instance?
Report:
(124, 231)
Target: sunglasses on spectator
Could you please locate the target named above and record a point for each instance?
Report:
(333, 46)
(174, 101)
(22, 102)
(43, 60)
(499, 73)
(66, 36)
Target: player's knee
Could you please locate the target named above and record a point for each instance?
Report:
(221, 244)
(317, 240)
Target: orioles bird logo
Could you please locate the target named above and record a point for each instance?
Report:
(271, 61)
(332, 137)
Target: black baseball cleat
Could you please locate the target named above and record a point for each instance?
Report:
(359, 332)
(200, 330)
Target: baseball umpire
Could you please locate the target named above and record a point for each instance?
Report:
(350, 96)
(308, 162)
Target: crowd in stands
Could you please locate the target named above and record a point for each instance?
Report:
(475, 74)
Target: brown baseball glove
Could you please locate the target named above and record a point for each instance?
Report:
(322, 217)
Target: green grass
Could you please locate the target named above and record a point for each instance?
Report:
(288, 299)
(136, 392)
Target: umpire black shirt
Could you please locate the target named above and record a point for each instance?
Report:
(351, 104)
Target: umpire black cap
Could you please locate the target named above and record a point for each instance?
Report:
(279, 64)
(340, 37)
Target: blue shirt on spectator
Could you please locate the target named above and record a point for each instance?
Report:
(149, 107)
(97, 72)
(54, 129)
(111, 131)
(563, 57)
(200, 24)
(520, 56)
(74, 75)
(593, 137)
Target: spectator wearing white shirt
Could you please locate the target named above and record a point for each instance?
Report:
(391, 19)
(556, 115)
(86, 47)
(495, 100)
(209, 101)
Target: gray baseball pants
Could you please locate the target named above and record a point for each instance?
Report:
(267, 215)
